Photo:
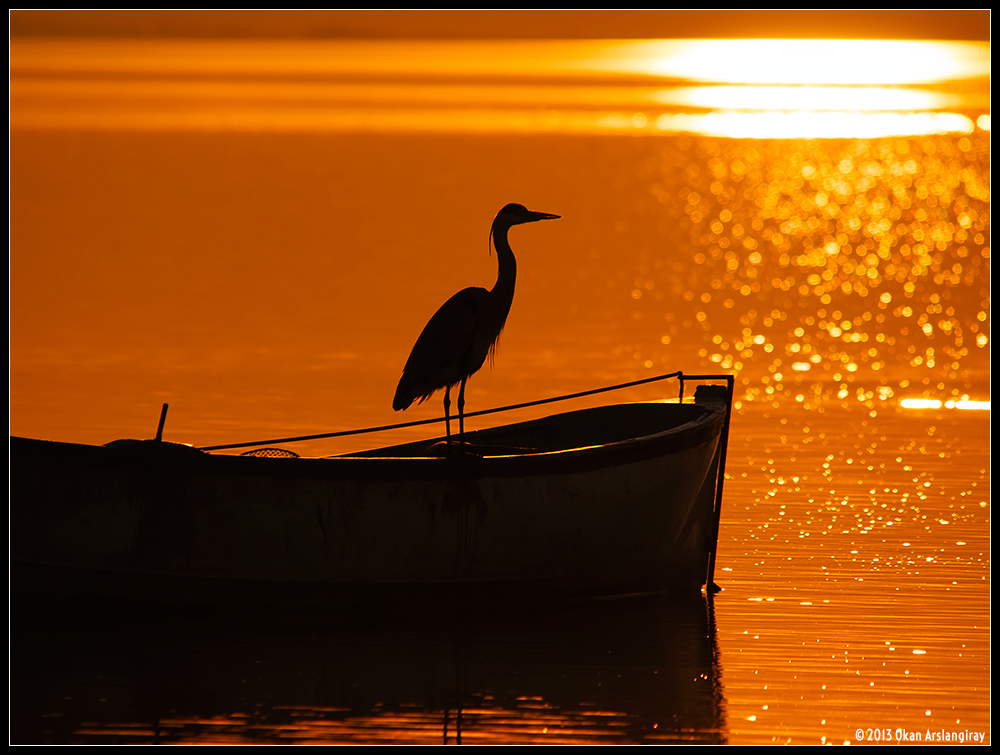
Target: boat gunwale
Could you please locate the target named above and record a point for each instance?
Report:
(675, 439)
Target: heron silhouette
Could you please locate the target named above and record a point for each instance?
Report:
(455, 343)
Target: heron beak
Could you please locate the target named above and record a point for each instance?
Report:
(533, 216)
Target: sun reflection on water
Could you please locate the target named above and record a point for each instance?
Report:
(793, 98)
(851, 270)
(816, 125)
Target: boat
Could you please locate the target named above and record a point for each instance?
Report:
(611, 500)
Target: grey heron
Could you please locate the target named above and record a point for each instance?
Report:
(456, 341)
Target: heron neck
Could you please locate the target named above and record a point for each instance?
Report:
(506, 264)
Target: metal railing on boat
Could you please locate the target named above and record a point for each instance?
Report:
(680, 376)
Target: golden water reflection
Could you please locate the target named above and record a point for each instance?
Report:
(795, 98)
(813, 125)
(840, 522)
(933, 403)
(830, 272)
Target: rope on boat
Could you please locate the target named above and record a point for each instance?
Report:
(679, 375)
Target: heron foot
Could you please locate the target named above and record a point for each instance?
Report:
(455, 449)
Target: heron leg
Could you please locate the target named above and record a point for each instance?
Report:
(447, 419)
(461, 410)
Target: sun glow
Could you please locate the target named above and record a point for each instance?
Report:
(812, 88)
(749, 88)
(819, 61)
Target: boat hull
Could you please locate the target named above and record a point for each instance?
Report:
(634, 514)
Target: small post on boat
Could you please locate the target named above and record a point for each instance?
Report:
(710, 586)
(163, 421)
(719, 465)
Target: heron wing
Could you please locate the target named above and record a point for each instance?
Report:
(442, 355)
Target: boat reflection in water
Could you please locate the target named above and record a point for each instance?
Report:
(636, 670)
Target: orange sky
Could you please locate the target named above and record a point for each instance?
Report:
(884, 24)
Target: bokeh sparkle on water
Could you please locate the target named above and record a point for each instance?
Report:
(856, 262)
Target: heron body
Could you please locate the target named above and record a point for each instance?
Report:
(457, 340)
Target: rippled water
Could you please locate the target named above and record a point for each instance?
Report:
(260, 250)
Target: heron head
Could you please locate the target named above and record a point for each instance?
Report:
(516, 214)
